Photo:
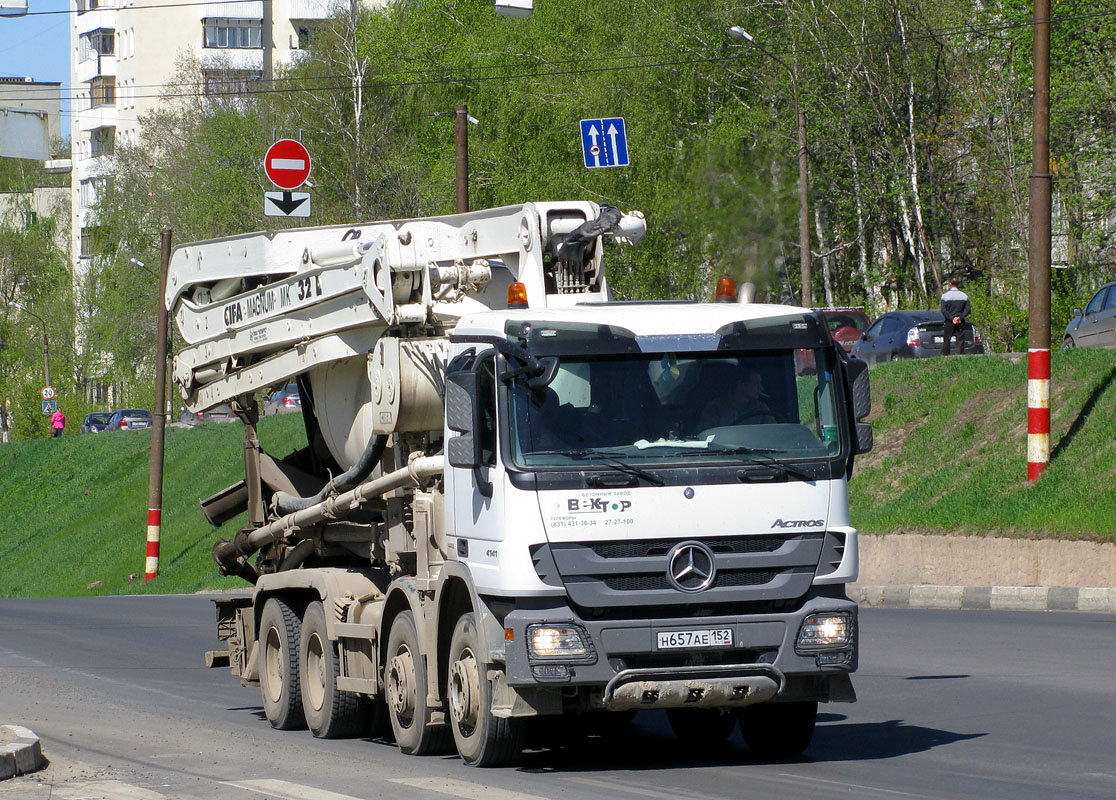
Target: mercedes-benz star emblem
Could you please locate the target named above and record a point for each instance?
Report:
(691, 567)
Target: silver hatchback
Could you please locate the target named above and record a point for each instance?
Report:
(1096, 325)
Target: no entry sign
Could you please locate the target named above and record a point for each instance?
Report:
(287, 164)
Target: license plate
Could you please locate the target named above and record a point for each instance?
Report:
(718, 637)
(938, 340)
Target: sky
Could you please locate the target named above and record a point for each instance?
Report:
(37, 46)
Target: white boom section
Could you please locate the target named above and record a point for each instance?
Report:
(256, 309)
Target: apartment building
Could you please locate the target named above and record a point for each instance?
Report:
(125, 52)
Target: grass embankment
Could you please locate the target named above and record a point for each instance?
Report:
(74, 516)
(950, 457)
(951, 450)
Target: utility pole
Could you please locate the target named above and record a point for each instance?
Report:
(1038, 255)
(158, 432)
(805, 257)
(461, 138)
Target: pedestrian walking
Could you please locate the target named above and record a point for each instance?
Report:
(955, 310)
(58, 422)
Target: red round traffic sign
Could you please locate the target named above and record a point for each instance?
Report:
(287, 164)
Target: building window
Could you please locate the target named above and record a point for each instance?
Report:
(102, 141)
(87, 193)
(220, 82)
(90, 241)
(102, 90)
(101, 42)
(233, 33)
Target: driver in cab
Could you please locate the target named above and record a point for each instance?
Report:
(744, 404)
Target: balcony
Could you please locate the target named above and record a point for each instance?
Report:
(98, 66)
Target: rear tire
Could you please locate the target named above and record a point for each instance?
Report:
(277, 651)
(701, 727)
(778, 730)
(405, 675)
(330, 713)
(482, 739)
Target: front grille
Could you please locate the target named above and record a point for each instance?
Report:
(644, 583)
(657, 547)
(615, 574)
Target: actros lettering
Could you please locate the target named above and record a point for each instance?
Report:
(798, 523)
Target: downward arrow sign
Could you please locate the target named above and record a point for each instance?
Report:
(288, 204)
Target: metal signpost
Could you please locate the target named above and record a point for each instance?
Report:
(604, 142)
(287, 165)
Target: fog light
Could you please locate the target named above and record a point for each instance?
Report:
(551, 672)
(820, 631)
(838, 658)
(557, 641)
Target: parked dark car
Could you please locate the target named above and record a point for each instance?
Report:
(129, 419)
(910, 334)
(95, 421)
(221, 413)
(284, 401)
(1096, 325)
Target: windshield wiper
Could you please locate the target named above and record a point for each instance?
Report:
(608, 459)
(762, 455)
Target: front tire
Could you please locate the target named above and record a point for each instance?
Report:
(482, 739)
(280, 630)
(330, 713)
(405, 675)
(778, 730)
(1067, 344)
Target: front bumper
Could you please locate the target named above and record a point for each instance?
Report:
(628, 669)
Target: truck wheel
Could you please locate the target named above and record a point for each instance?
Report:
(277, 652)
(778, 730)
(701, 727)
(482, 740)
(406, 692)
(330, 713)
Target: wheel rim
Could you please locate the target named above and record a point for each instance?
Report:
(401, 686)
(315, 672)
(273, 665)
(464, 692)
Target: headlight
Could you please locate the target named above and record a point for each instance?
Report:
(824, 631)
(557, 641)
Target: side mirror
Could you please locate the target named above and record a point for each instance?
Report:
(1077, 312)
(463, 416)
(860, 392)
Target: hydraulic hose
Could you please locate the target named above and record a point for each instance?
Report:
(287, 503)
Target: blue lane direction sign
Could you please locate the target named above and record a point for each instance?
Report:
(604, 142)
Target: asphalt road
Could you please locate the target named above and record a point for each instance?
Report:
(953, 704)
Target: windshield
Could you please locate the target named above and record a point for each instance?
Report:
(677, 408)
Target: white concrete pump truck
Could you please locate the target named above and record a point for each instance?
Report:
(518, 497)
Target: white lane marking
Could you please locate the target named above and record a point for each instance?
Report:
(288, 163)
(464, 789)
(285, 790)
(104, 790)
(847, 785)
(639, 789)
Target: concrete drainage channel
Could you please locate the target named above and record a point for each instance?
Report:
(20, 751)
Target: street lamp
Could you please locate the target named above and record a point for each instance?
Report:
(46, 342)
(805, 257)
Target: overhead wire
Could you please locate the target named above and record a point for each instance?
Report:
(460, 75)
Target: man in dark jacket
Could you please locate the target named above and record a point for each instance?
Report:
(955, 309)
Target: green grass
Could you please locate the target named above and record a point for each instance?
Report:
(951, 450)
(75, 509)
(950, 457)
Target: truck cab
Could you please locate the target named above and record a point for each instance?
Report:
(652, 506)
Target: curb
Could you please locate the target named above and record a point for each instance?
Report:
(1005, 598)
(22, 755)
